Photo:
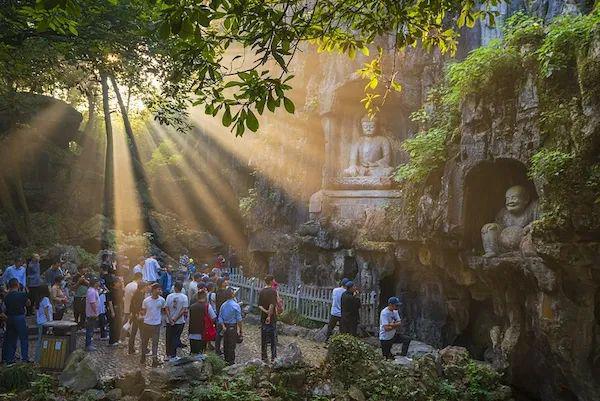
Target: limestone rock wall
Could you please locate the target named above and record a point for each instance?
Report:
(536, 315)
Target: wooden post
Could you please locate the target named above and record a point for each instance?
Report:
(250, 301)
(298, 299)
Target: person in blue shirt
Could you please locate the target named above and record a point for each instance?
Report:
(166, 280)
(17, 271)
(53, 272)
(34, 282)
(230, 321)
(16, 326)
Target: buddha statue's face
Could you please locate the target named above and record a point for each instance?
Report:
(368, 127)
(517, 199)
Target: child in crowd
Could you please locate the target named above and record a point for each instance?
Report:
(43, 315)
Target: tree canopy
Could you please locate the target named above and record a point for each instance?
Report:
(232, 56)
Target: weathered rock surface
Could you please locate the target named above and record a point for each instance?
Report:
(289, 357)
(131, 383)
(185, 371)
(79, 373)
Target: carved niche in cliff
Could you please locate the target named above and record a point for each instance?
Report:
(360, 155)
(511, 224)
(500, 205)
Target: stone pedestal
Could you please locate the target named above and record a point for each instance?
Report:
(349, 204)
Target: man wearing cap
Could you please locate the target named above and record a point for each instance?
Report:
(389, 322)
(336, 306)
(350, 310)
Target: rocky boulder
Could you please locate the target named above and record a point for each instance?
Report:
(453, 355)
(184, 371)
(93, 395)
(239, 368)
(79, 373)
(291, 357)
(131, 383)
(418, 349)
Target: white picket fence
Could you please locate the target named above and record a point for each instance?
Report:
(310, 301)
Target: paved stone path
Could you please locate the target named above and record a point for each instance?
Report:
(113, 361)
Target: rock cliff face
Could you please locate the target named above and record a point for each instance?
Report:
(535, 311)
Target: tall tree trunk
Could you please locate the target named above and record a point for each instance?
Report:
(16, 229)
(108, 164)
(18, 182)
(91, 99)
(139, 174)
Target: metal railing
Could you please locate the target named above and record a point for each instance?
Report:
(309, 301)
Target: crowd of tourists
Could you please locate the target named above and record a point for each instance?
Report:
(345, 311)
(128, 306)
(133, 306)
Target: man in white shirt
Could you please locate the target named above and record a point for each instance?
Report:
(128, 292)
(151, 268)
(389, 322)
(176, 309)
(336, 306)
(192, 292)
(152, 309)
(139, 268)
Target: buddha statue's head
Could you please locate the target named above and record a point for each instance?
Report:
(516, 199)
(368, 126)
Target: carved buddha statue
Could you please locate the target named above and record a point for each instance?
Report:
(508, 230)
(370, 155)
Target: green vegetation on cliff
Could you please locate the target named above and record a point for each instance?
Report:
(561, 58)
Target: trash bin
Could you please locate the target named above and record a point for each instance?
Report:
(58, 342)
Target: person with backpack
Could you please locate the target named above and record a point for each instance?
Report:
(176, 308)
(202, 328)
(267, 303)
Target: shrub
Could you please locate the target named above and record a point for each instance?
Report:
(215, 392)
(292, 316)
(216, 362)
(349, 358)
(428, 152)
(481, 381)
(520, 29)
(16, 377)
(549, 164)
(487, 71)
(248, 203)
(566, 37)
(42, 387)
